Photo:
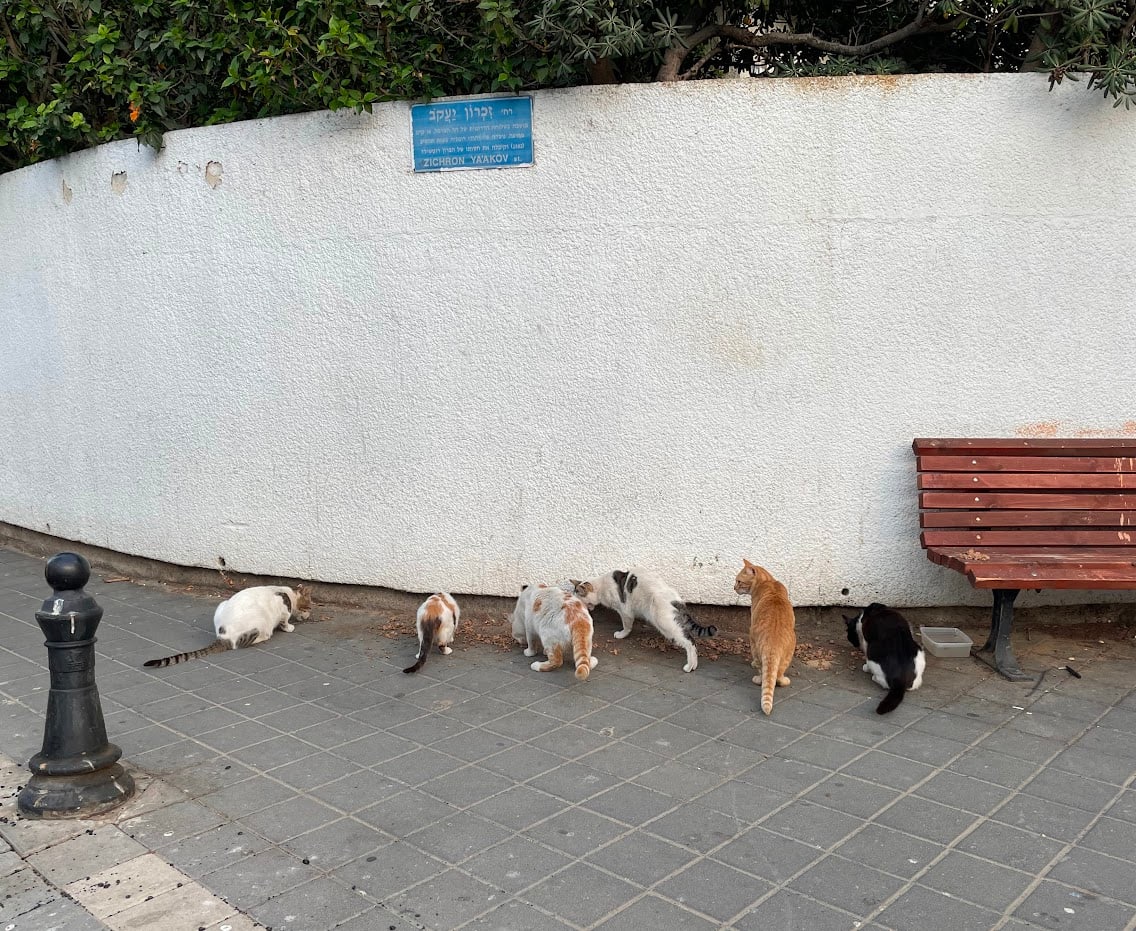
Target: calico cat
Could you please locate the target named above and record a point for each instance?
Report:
(772, 629)
(250, 616)
(894, 658)
(640, 593)
(436, 622)
(554, 618)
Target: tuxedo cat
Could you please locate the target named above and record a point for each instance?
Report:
(895, 659)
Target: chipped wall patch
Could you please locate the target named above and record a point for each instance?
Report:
(118, 182)
(213, 174)
(67, 194)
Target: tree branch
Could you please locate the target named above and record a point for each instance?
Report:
(674, 56)
(715, 48)
(17, 52)
(739, 35)
(1126, 29)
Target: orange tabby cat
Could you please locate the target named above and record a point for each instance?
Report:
(772, 631)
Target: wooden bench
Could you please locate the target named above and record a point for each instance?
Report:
(1014, 514)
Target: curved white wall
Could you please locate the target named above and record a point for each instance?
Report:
(706, 324)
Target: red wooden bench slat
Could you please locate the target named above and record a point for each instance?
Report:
(1068, 481)
(1026, 464)
(1024, 500)
(1023, 447)
(972, 519)
(1031, 554)
(1059, 538)
(982, 576)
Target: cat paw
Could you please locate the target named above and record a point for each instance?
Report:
(864, 668)
(288, 628)
(784, 680)
(690, 667)
(595, 662)
(756, 680)
(447, 650)
(620, 634)
(529, 651)
(537, 666)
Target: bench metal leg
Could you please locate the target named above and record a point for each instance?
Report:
(997, 652)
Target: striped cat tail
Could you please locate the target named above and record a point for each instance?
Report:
(892, 699)
(580, 627)
(768, 681)
(426, 634)
(689, 624)
(217, 646)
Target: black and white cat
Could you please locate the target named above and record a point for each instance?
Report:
(250, 616)
(895, 659)
(639, 593)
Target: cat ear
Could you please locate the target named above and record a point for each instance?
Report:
(749, 565)
(575, 583)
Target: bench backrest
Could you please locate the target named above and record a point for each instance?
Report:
(1028, 493)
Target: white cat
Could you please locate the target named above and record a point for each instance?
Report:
(250, 616)
(554, 618)
(436, 622)
(639, 593)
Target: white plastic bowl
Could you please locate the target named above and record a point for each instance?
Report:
(945, 641)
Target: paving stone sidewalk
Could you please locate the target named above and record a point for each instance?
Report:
(308, 784)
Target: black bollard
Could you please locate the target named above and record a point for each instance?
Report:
(77, 773)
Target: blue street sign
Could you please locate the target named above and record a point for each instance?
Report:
(482, 132)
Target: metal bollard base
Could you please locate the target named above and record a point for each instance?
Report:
(81, 796)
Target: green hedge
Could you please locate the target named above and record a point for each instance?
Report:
(74, 73)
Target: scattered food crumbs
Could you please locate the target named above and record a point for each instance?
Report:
(975, 556)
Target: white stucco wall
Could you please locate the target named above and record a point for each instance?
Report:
(706, 324)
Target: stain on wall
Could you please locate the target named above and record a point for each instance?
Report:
(1055, 428)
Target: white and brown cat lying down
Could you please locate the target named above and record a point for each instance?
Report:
(250, 616)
